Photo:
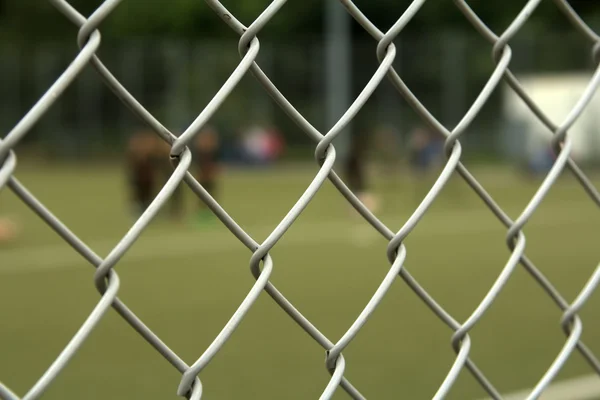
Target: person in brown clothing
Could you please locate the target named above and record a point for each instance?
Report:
(141, 162)
(149, 167)
(206, 153)
(356, 170)
(176, 201)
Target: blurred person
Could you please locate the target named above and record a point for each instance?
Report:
(386, 139)
(356, 171)
(252, 145)
(206, 154)
(176, 201)
(541, 162)
(141, 164)
(274, 144)
(418, 141)
(425, 153)
(261, 146)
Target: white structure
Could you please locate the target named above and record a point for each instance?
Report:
(556, 94)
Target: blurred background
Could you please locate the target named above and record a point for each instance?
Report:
(185, 277)
(174, 59)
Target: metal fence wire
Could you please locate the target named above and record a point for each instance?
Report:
(106, 278)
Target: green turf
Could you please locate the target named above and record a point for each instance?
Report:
(187, 296)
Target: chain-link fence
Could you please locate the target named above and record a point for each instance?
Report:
(106, 278)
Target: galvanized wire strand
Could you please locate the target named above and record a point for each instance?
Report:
(77, 341)
(6, 393)
(142, 222)
(50, 96)
(116, 87)
(558, 362)
(8, 166)
(576, 21)
(336, 378)
(385, 285)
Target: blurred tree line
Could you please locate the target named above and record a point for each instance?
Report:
(441, 57)
(32, 19)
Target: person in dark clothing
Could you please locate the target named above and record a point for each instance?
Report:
(141, 166)
(355, 164)
(426, 150)
(176, 201)
(355, 170)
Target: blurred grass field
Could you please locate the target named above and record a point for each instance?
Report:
(185, 281)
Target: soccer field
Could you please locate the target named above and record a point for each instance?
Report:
(185, 280)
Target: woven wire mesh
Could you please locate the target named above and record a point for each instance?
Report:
(106, 278)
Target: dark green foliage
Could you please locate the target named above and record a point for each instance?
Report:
(192, 18)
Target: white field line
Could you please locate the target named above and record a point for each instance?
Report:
(581, 388)
(343, 231)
